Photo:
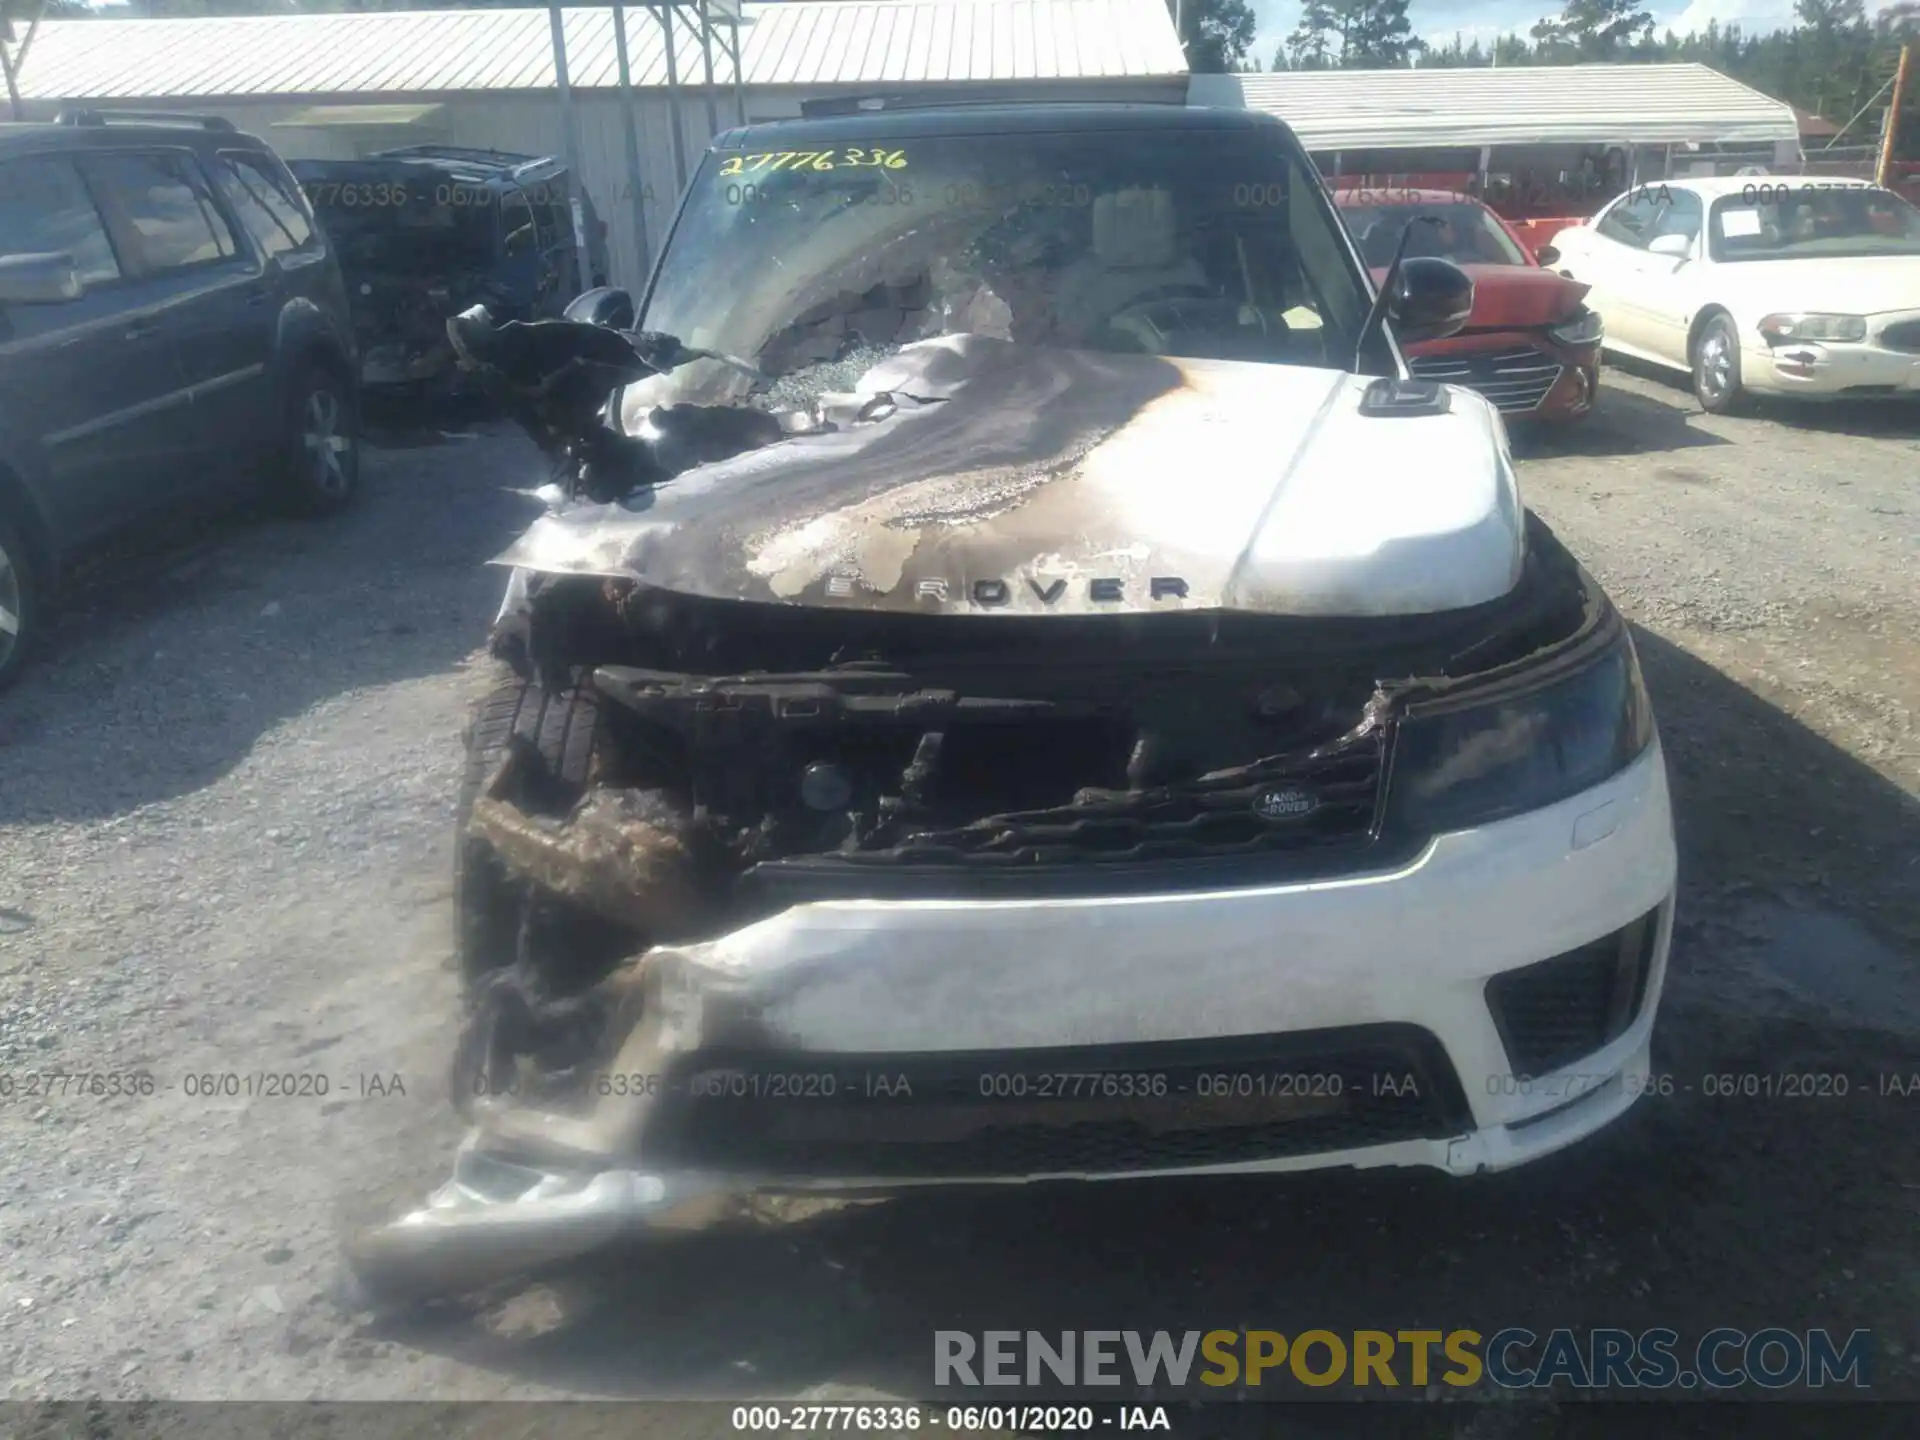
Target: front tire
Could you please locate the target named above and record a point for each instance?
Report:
(489, 905)
(19, 602)
(1716, 368)
(320, 443)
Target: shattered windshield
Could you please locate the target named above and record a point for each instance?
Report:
(402, 228)
(814, 265)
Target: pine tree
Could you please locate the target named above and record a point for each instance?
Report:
(1313, 45)
(1595, 29)
(1379, 36)
(1827, 16)
(1216, 33)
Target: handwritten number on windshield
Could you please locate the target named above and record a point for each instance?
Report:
(853, 159)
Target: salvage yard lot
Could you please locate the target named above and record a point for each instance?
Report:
(225, 809)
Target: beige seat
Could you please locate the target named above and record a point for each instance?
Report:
(1135, 251)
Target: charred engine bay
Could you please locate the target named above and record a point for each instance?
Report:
(748, 757)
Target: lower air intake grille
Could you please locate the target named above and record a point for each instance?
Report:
(1904, 335)
(1090, 1110)
(1554, 1013)
(1514, 380)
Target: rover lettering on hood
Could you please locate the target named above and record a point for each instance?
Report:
(996, 478)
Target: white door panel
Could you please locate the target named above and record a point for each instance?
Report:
(1606, 267)
(1665, 287)
(1629, 317)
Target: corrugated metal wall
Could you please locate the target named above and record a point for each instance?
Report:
(530, 123)
(789, 43)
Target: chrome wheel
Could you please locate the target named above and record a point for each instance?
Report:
(19, 602)
(1716, 367)
(326, 445)
(12, 606)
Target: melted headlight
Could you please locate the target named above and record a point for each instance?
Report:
(1457, 765)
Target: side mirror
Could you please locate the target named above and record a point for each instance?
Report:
(46, 279)
(1430, 300)
(1674, 247)
(602, 305)
(1547, 255)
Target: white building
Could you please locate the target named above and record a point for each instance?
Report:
(336, 86)
(1499, 117)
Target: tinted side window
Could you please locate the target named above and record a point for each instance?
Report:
(45, 209)
(168, 206)
(1629, 221)
(550, 213)
(515, 214)
(264, 201)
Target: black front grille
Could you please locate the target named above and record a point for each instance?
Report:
(1136, 768)
(1514, 380)
(1086, 1110)
(1557, 1011)
(1175, 822)
(1904, 335)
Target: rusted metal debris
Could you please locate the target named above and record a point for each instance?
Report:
(618, 855)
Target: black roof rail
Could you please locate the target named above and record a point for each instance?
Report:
(879, 104)
(506, 159)
(145, 117)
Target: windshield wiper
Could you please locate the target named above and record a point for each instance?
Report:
(668, 352)
(538, 355)
(1376, 317)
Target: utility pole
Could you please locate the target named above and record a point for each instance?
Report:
(673, 98)
(13, 47)
(636, 176)
(1890, 133)
(706, 58)
(6, 64)
(570, 143)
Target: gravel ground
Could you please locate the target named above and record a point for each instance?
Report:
(224, 851)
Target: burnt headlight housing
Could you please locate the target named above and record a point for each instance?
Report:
(1461, 762)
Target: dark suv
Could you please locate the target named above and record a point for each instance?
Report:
(172, 325)
(424, 232)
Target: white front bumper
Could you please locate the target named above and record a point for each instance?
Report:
(1818, 369)
(1415, 945)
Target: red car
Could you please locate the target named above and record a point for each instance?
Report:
(1531, 346)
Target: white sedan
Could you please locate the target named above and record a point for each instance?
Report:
(1774, 285)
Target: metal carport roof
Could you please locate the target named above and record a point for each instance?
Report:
(1506, 105)
(408, 52)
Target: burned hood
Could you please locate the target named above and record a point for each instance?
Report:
(1003, 478)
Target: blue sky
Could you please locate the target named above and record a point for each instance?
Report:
(1438, 20)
